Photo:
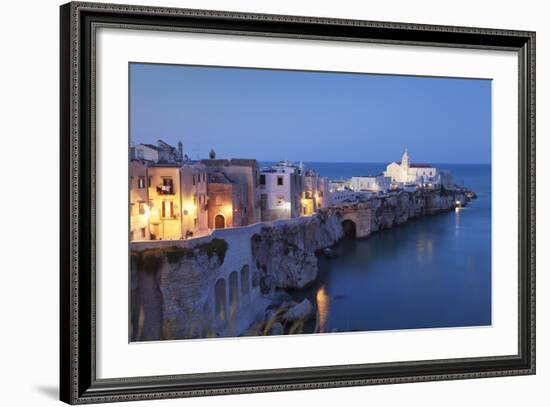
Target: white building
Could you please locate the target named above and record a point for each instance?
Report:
(162, 152)
(338, 185)
(406, 173)
(371, 183)
(281, 189)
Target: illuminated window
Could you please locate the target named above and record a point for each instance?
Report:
(167, 209)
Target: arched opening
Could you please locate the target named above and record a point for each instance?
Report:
(233, 293)
(219, 222)
(350, 228)
(245, 280)
(220, 299)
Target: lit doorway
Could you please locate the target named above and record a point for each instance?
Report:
(219, 222)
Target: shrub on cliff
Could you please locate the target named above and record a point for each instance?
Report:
(150, 260)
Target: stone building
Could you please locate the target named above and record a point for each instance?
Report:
(139, 201)
(314, 192)
(226, 201)
(194, 199)
(323, 186)
(244, 172)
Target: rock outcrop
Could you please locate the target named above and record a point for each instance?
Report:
(299, 312)
(285, 252)
(396, 209)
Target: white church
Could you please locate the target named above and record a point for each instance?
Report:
(406, 173)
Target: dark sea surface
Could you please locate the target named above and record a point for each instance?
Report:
(431, 272)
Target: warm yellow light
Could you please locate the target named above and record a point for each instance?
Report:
(323, 305)
(189, 208)
(153, 212)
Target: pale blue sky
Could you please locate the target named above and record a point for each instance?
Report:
(311, 116)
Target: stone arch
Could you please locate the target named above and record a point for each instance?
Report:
(220, 299)
(245, 280)
(350, 228)
(219, 221)
(233, 292)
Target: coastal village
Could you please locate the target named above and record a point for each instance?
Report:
(175, 198)
(218, 245)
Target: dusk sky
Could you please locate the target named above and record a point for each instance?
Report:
(273, 115)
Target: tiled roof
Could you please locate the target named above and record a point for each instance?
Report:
(418, 165)
(149, 146)
(421, 165)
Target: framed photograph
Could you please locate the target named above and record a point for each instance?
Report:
(255, 203)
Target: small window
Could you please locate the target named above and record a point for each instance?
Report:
(279, 180)
(142, 208)
(194, 180)
(141, 182)
(143, 233)
(262, 179)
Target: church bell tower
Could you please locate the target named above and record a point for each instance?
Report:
(405, 161)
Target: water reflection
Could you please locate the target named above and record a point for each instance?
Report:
(424, 250)
(323, 303)
(457, 221)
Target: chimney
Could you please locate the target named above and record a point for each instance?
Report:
(180, 151)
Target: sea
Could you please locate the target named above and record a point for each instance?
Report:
(430, 272)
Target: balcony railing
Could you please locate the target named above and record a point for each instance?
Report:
(165, 190)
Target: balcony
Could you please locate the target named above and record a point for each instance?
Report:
(165, 190)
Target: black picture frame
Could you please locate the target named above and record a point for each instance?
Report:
(78, 382)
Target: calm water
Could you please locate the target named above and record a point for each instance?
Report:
(430, 272)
